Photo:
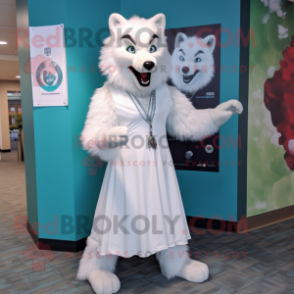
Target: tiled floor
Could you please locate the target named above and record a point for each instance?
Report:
(259, 262)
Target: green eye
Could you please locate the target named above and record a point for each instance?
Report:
(152, 49)
(131, 49)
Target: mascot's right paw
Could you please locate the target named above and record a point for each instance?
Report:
(195, 271)
(118, 136)
(104, 282)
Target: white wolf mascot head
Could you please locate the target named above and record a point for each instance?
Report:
(192, 62)
(134, 57)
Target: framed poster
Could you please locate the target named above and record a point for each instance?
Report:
(195, 72)
(48, 66)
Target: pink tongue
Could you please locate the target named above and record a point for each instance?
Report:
(144, 77)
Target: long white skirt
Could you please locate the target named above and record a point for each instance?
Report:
(140, 210)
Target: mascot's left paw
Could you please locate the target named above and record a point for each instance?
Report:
(235, 106)
(224, 111)
(195, 271)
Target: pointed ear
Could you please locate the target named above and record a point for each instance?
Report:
(158, 20)
(116, 20)
(180, 37)
(210, 42)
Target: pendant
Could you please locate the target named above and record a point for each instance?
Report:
(152, 142)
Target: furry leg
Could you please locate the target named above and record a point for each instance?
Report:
(175, 261)
(98, 270)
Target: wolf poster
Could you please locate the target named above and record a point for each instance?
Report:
(195, 54)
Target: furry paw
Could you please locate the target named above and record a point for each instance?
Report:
(195, 271)
(224, 111)
(233, 106)
(104, 282)
(115, 137)
(236, 106)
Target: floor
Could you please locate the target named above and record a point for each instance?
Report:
(261, 261)
(13, 145)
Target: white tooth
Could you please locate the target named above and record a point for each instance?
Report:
(291, 147)
(145, 83)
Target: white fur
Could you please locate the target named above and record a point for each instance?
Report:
(98, 270)
(187, 123)
(101, 119)
(115, 60)
(184, 57)
(104, 282)
(184, 122)
(92, 261)
(195, 271)
(172, 260)
(175, 261)
(224, 111)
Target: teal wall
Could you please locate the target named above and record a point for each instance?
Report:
(64, 187)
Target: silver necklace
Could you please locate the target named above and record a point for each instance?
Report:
(147, 115)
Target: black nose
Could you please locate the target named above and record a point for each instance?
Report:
(185, 69)
(149, 65)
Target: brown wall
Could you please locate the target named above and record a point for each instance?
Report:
(4, 118)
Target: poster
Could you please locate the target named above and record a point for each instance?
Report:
(196, 73)
(270, 172)
(48, 66)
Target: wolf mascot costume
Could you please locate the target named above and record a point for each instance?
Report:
(140, 211)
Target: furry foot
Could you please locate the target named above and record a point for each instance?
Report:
(195, 271)
(104, 282)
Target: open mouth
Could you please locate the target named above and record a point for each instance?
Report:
(143, 78)
(188, 79)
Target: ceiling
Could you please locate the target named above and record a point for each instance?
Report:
(8, 53)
